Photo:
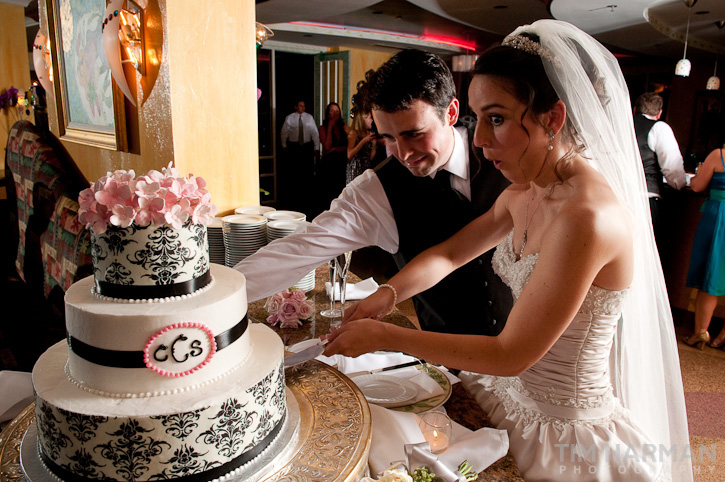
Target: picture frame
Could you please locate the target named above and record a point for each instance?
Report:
(90, 107)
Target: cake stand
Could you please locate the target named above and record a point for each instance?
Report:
(331, 442)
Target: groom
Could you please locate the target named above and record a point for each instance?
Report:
(432, 185)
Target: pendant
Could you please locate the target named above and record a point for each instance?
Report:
(523, 244)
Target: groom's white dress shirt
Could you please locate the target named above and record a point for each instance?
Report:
(361, 216)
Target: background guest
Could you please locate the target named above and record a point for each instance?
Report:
(301, 145)
(660, 154)
(361, 140)
(707, 263)
(331, 169)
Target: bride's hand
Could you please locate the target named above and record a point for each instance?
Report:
(375, 306)
(356, 338)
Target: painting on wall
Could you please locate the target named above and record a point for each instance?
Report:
(90, 111)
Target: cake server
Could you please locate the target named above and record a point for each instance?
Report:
(302, 356)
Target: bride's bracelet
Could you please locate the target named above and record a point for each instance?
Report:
(395, 297)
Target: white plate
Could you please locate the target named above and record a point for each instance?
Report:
(385, 390)
(298, 347)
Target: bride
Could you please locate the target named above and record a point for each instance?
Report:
(585, 375)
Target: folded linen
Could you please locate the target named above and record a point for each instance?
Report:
(392, 430)
(354, 291)
(17, 393)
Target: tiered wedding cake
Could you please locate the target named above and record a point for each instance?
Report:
(161, 376)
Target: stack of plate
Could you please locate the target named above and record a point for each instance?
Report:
(215, 236)
(282, 227)
(244, 234)
(285, 227)
(287, 215)
(254, 210)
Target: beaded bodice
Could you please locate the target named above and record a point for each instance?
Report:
(575, 371)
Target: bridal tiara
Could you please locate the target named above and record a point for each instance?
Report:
(532, 47)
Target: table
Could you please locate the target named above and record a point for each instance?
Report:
(461, 406)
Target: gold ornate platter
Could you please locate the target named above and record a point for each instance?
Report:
(334, 433)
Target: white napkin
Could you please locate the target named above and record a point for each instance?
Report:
(354, 291)
(392, 430)
(16, 389)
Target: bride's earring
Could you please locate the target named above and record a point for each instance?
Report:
(551, 139)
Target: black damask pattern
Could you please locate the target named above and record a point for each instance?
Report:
(261, 390)
(84, 466)
(52, 436)
(201, 266)
(279, 400)
(163, 256)
(117, 273)
(227, 433)
(97, 254)
(199, 236)
(264, 428)
(82, 427)
(130, 452)
(186, 461)
(115, 238)
(180, 425)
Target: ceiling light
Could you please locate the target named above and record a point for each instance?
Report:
(682, 69)
(713, 83)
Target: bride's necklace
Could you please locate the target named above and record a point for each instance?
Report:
(527, 221)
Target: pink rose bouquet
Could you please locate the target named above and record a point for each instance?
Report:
(119, 198)
(288, 308)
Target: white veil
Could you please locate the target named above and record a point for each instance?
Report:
(645, 362)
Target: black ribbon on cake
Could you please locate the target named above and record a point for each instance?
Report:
(134, 359)
(205, 476)
(146, 292)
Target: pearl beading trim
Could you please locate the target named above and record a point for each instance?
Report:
(159, 393)
(153, 300)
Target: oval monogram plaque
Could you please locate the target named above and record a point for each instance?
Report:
(179, 349)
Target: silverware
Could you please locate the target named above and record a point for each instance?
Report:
(385, 369)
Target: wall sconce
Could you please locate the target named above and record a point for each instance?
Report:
(41, 62)
(682, 69)
(463, 63)
(123, 37)
(713, 83)
(263, 33)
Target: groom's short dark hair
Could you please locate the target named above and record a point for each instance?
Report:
(409, 76)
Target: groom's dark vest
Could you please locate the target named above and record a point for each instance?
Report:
(472, 299)
(652, 170)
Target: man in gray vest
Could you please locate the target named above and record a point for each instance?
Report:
(660, 153)
(432, 186)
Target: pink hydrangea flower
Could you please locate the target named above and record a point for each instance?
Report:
(150, 211)
(156, 198)
(122, 215)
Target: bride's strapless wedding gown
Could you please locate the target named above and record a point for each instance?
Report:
(563, 420)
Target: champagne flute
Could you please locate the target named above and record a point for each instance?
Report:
(343, 265)
(338, 268)
(332, 312)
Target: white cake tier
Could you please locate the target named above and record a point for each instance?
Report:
(150, 262)
(152, 349)
(200, 434)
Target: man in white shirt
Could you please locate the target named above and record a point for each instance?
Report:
(401, 207)
(660, 153)
(300, 141)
